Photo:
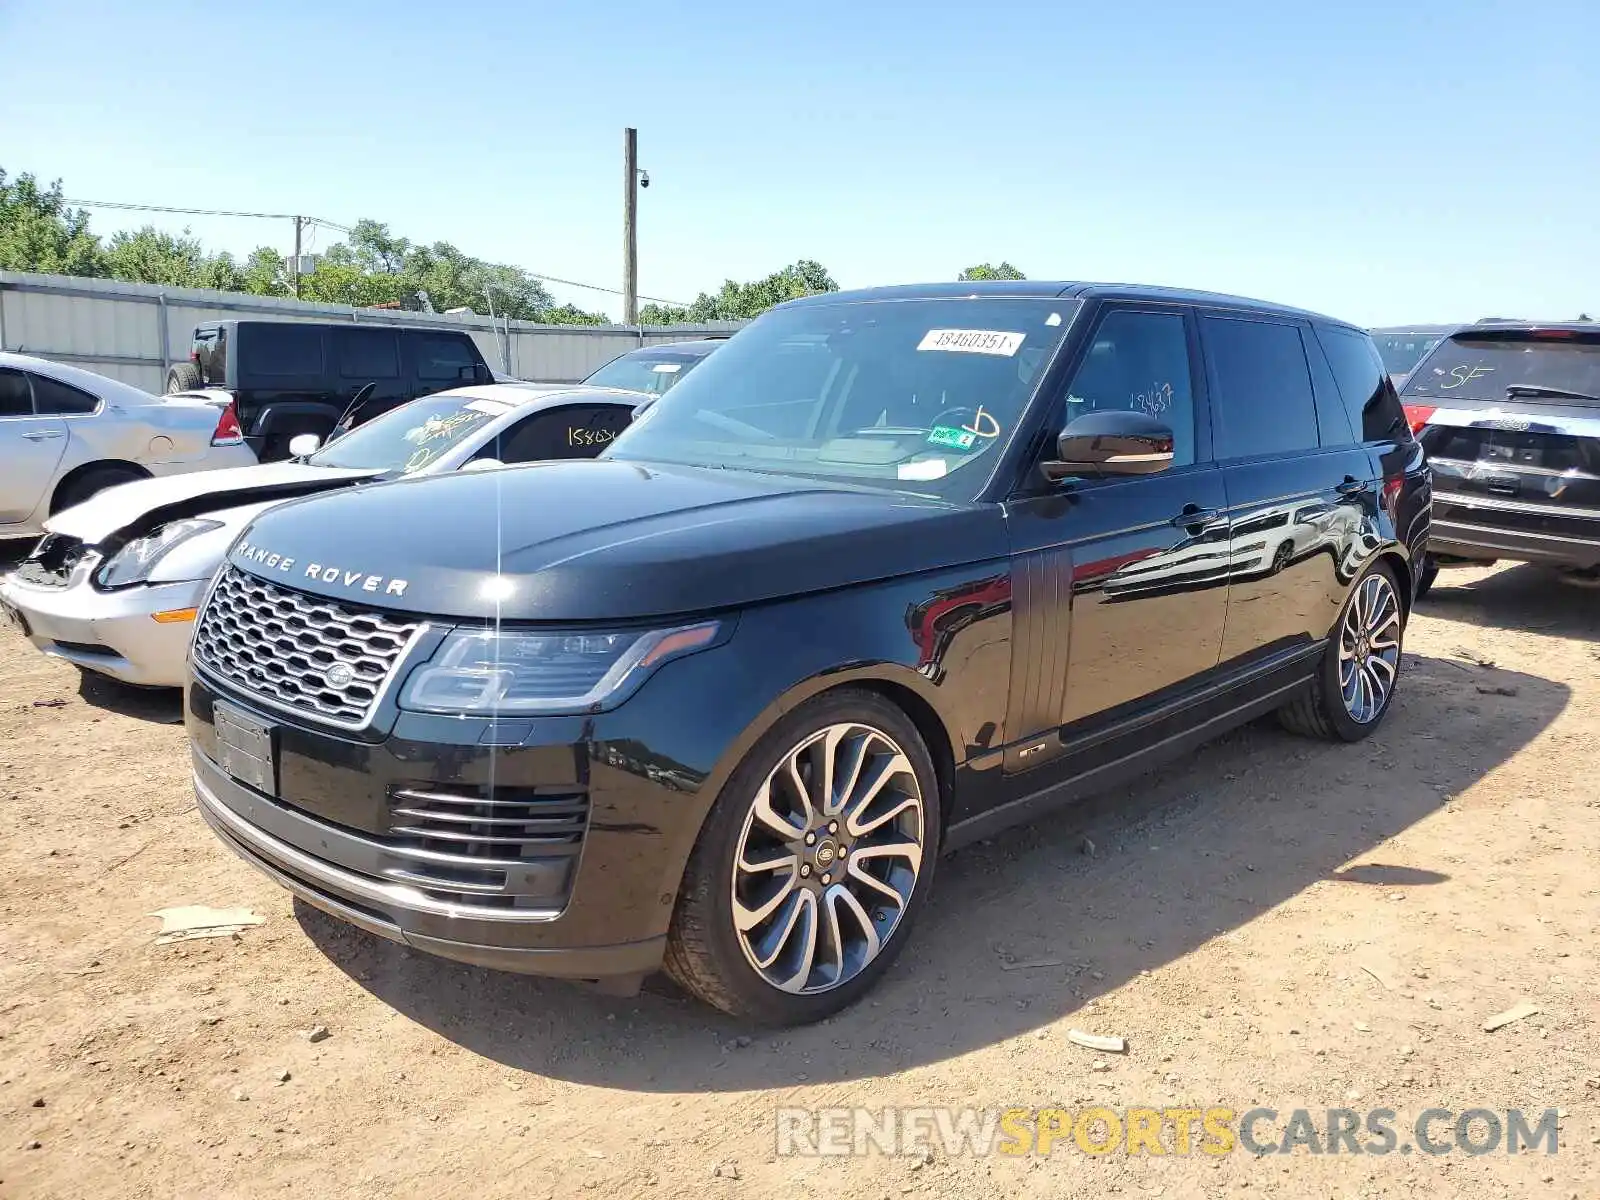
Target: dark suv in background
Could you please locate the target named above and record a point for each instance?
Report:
(292, 377)
(888, 572)
(1509, 413)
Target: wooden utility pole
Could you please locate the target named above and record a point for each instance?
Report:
(630, 239)
(299, 226)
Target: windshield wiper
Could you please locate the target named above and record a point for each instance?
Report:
(1538, 389)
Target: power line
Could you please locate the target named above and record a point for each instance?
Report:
(218, 212)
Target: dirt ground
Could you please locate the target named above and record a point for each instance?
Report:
(1273, 922)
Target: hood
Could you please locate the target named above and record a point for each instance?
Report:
(600, 540)
(145, 503)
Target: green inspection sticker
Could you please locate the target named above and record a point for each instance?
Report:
(949, 435)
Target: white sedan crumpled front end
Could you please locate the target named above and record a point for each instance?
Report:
(139, 635)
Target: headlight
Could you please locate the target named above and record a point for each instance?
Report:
(483, 671)
(134, 562)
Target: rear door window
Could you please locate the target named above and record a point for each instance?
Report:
(283, 348)
(52, 397)
(441, 356)
(367, 354)
(1478, 364)
(1261, 387)
(1363, 383)
(15, 398)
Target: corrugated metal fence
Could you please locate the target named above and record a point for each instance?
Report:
(135, 331)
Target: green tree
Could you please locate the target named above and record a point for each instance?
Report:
(740, 301)
(38, 232)
(989, 271)
(153, 256)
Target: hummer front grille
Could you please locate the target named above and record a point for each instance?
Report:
(311, 656)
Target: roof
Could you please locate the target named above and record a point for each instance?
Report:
(1044, 289)
(696, 348)
(541, 395)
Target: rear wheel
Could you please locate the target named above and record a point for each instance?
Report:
(814, 860)
(96, 479)
(1356, 680)
(182, 377)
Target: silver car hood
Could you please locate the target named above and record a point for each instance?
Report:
(195, 492)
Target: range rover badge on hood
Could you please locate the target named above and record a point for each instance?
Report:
(321, 572)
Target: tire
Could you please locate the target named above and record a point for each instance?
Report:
(708, 956)
(1430, 572)
(182, 377)
(1323, 710)
(97, 479)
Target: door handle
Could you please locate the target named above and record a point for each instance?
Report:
(1353, 486)
(42, 435)
(1193, 515)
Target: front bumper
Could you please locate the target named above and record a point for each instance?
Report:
(1486, 527)
(114, 633)
(592, 901)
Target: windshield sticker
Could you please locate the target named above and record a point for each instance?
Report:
(927, 469)
(667, 368)
(949, 435)
(973, 341)
(1464, 375)
(1053, 319)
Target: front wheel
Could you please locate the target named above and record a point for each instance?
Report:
(812, 864)
(1355, 682)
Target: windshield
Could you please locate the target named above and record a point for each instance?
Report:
(915, 394)
(1402, 351)
(1477, 366)
(645, 371)
(408, 438)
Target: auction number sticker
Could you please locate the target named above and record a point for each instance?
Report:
(973, 341)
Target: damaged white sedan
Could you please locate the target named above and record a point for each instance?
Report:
(114, 585)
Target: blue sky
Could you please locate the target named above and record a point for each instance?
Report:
(1383, 162)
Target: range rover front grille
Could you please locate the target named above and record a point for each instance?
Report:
(485, 845)
(281, 646)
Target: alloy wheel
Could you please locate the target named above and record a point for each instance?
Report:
(1369, 648)
(828, 858)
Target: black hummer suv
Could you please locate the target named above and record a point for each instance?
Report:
(292, 377)
(1509, 414)
(888, 572)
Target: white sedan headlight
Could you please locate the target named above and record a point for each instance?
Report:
(480, 672)
(134, 562)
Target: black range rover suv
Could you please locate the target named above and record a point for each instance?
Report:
(888, 572)
(1509, 414)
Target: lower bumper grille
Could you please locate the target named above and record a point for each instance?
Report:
(478, 842)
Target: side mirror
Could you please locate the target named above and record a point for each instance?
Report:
(483, 464)
(1111, 443)
(303, 445)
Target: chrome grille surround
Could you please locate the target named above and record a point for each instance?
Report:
(278, 645)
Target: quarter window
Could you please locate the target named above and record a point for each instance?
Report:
(441, 357)
(1363, 383)
(1261, 387)
(279, 348)
(15, 400)
(368, 354)
(51, 396)
(1138, 361)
